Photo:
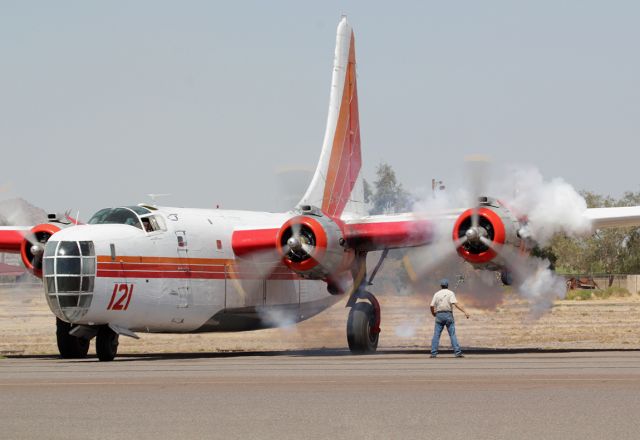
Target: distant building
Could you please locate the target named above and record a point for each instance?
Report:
(10, 273)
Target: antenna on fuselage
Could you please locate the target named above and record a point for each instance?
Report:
(153, 197)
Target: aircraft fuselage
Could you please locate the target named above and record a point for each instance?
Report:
(174, 270)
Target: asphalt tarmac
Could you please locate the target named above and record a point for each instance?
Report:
(295, 395)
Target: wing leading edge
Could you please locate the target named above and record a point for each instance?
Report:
(11, 238)
(627, 216)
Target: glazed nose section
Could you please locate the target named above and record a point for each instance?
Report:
(69, 272)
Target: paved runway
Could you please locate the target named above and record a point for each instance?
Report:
(395, 395)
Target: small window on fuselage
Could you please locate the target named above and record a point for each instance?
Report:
(153, 223)
(146, 224)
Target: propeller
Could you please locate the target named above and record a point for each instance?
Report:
(299, 243)
(477, 172)
(421, 262)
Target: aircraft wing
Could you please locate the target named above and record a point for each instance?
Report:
(11, 238)
(377, 232)
(626, 216)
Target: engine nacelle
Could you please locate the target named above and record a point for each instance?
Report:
(32, 247)
(496, 228)
(313, 245)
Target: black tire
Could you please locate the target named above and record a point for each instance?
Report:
(506, 277)
(106, 344)
(361, 320)
(69, 346)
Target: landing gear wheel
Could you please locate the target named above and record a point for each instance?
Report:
(506, 277)
(106, 344)
(69, 346)
(361, 333)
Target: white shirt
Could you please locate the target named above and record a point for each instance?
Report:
(443, 299)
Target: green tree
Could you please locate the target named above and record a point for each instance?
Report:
(368, 192)
(389, 196)
(607, 250)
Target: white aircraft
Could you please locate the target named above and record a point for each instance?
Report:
(174, 270)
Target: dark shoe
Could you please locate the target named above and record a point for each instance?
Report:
(433, 356)
(459, 355)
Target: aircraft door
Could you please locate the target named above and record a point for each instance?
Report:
(185, 299)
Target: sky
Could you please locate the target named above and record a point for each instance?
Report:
(102, 103)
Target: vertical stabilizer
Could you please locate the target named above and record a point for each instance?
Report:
(336, 186)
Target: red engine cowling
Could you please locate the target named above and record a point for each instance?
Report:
(314, 247)
(32, 247)
(496, 227)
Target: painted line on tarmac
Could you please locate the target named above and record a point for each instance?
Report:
(304, 382)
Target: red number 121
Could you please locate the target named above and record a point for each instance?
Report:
(123, 292)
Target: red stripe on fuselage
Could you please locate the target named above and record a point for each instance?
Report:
(176, 268)
(190, 275)
(161, 267)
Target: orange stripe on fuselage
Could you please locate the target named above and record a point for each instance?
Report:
(195, 268)
(163, 260)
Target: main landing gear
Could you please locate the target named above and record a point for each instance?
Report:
(506, 277)
(363, 325)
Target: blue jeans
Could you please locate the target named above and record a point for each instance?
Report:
(445, 319)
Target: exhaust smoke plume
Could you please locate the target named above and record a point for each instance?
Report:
(280, 318)
(19, 212)
(534, 280)
(550, 206)
(481, 289)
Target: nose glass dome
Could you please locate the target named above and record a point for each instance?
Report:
(69, 269)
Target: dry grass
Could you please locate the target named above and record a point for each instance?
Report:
(28, 327)
(587, 294)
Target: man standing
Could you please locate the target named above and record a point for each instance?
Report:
(442, 310)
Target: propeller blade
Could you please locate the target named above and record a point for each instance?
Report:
(477, 174)
(420, 263)
(308, 249)
(258, 265)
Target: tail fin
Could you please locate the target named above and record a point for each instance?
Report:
(336, 186)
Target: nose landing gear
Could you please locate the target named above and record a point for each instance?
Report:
(69, 346)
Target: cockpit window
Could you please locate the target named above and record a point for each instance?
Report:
(120, 216)
(140, 210)
(137, 216)
(152, 223)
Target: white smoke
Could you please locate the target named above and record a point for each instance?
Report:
(542, 287)
(278, 317)
(481, 289)
(405, 330)
(551, 206)
(18, 212)
(534, 281)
